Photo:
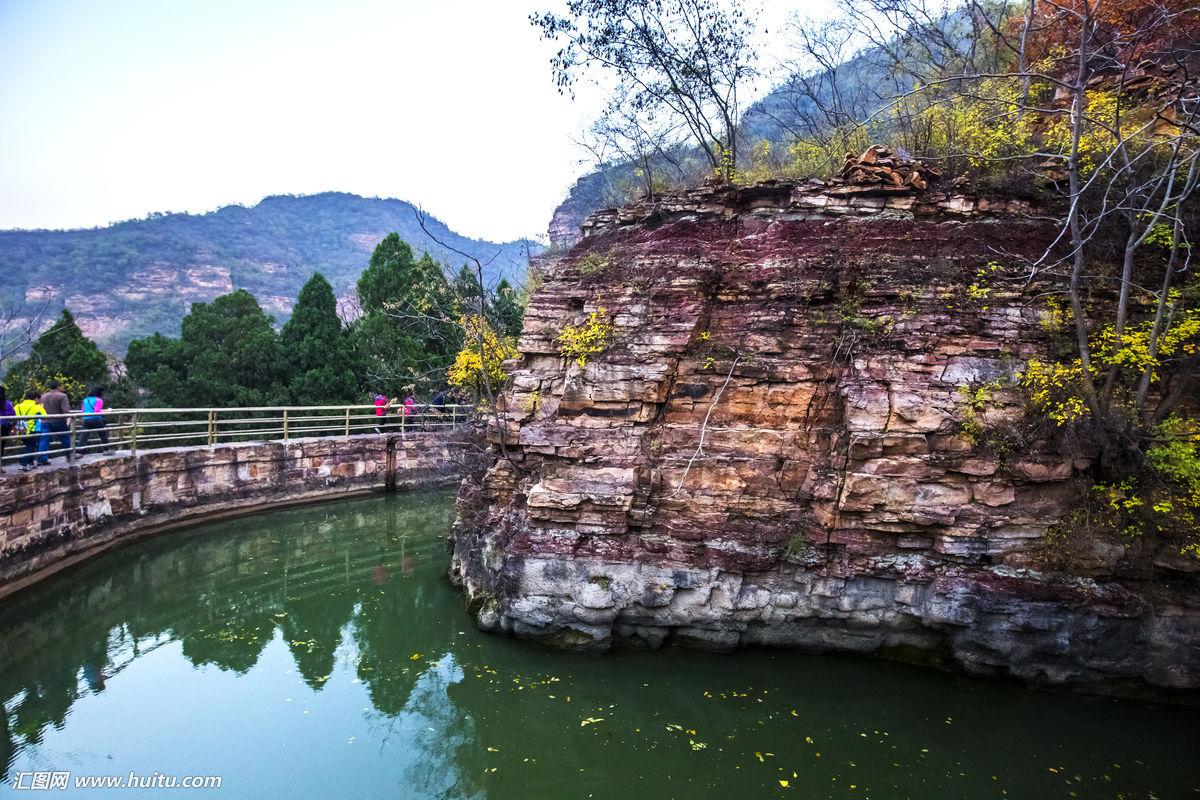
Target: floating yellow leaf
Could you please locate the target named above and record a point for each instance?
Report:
(414, 656)
(590, 720)
(783, 783)
(808, 739)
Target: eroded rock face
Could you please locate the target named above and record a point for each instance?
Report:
(775, 448)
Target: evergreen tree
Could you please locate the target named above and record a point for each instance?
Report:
(510, 314)
(227, 355)
(65, 350)
(443, 336)
(465, 289)
(388, 275)
(318, 349)
(406, 335)
(62, 352)
(158, 364)
(234, 355)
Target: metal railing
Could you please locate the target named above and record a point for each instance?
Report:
(132, 429)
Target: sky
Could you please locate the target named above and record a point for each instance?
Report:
(113, 110)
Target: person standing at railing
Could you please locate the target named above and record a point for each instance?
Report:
(56, 403)
(8, 426)
(32, 430)
(439, 409)
(381, 404)
(93, 420)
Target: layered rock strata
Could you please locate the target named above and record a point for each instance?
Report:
(777, 446)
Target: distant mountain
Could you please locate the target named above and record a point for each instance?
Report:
(133, 278)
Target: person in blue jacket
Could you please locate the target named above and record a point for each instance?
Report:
(93, 420)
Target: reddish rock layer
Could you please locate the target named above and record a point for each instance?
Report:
(771, 450)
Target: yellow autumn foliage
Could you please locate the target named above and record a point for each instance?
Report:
(579, 342)
(484, 349)
(1056, 388)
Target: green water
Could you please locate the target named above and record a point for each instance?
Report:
(320, 652)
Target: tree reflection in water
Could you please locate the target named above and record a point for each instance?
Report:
(222, 594)
(434, 731)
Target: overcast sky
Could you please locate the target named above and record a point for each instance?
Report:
(112, 110)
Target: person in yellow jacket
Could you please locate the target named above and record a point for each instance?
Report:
(33, 431)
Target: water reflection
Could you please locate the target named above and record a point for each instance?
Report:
(320, 652)
(440, 733)
(316, 576)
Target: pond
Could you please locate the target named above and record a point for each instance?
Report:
(320, 652)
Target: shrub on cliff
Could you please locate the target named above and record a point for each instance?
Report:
(580, 342)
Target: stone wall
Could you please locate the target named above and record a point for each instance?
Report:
(777, 447)
(49, 517)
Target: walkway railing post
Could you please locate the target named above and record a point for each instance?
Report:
(347, 421)
(212, 426)
(454, 416)
(74, 429)
(285, 424)
(133, 435)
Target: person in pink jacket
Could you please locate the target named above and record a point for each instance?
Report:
(93, 420)
(381, 404)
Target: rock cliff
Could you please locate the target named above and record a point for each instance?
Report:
(778, 446)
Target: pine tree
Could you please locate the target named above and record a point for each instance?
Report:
(62, 353)
(388, 275)
(510, 314)
(406, 336)
(65, 350)
(157, 364)
(465, 289)
(318, 349)
(234, 355)
(227, 355)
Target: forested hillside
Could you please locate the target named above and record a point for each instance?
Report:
(137, 277)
